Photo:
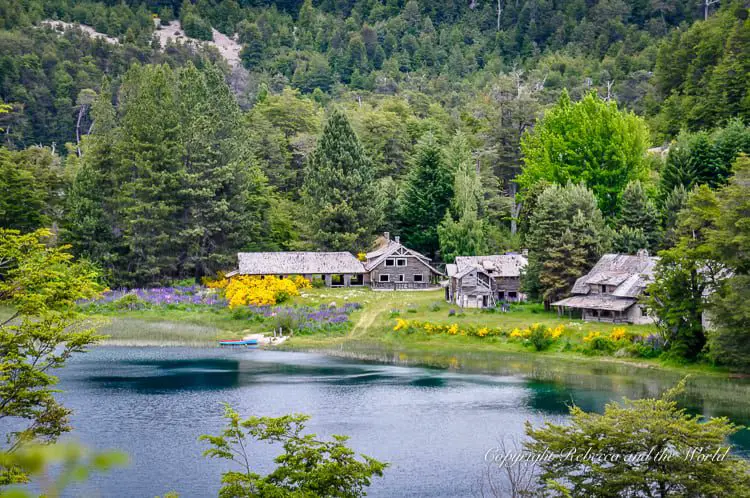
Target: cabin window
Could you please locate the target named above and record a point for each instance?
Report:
(401, 262)
(419, 277)
(644, 311)
(400, 278)
(512, 295)
(390, 262)
(384, 278)
(603, 289)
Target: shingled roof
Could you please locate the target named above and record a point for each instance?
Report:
(628, 274)
(503, 265)
(298, 263)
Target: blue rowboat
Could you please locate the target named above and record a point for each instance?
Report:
(248, 342)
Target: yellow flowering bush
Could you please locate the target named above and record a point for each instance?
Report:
(259, 291)
(301, 282)
(594, 334)
(517, 333)
(215, 283)
(451, 329)
(618, 333)
(557, 332)
(362, 256)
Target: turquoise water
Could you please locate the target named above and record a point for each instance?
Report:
(434, 426)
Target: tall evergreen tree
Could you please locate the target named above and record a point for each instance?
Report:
(466, 235)
(222, 191)
(149, 159)
(639, 212)
(426, 196)
(553, 267)
(673, 204)
(92, 225)
(339, 190)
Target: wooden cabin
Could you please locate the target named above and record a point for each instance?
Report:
(336, 269)
(472, 288)
(610, 291)
(394, 266)
(468, 285)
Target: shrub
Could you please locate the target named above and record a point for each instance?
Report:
(129, 302)
(318, 283)
(435, 307)
(197, 27)
(596, 342)
(395, 313)
(245, 289)
(451, 312)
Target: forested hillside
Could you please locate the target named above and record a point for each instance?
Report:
(160, 160)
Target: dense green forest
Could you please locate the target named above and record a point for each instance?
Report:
(446, 122)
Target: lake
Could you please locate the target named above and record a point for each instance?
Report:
(434, 426)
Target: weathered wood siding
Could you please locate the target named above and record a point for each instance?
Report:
(402, 277)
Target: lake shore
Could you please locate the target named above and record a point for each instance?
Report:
(374, 333)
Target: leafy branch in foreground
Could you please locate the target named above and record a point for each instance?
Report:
(306, 468)
(640, 448)
(41, 284)
(72, 462)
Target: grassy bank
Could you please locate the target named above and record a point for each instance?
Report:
(372, 333)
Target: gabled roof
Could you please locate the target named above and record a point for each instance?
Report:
(629, 274)
(390, 248)
(297, 263)
(597, 302)
(503, 265)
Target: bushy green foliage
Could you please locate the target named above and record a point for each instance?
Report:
(590, 141)
(167, 186)
(307, 466)
(652, 448)
(42, 283)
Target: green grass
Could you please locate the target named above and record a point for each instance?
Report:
(372, 328)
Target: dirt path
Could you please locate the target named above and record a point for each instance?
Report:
(369, 315)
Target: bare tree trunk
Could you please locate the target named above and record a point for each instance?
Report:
(706, 5)
(499, 13)
(81, 111)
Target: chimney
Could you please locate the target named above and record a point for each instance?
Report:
(643, 253)
(525, 253)
(387, 235)
(397, 239)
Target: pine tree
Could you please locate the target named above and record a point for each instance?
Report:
(339, 190)
(92, 224)
(673, 204)
(149, 154)
(566, 261)
(629, 240)
(640, 213)
(558, 209)
(426, 196)
(465, 236)
(678, 169)
(223, 197)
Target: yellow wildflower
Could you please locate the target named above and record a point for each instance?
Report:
(483, 331)
(592, 335)
(453, 329)
(400, 324)
(618, 333)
